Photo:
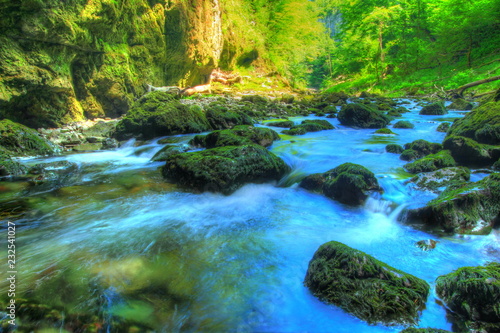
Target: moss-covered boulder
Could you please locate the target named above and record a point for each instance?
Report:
(284, 123)
(224, 169)
(443, 127)
(473, 293)
(409, 155)
(8, 166)
(437, 181)
(461, 104)
(20, 140)
(158, 114)
(432, 162)
(403, 124)
(167, 151)
(362, 116)
(348, 183)
(394, 148)
(364, 286)
(482, 124)
(315, 125)
(222, 116)
(384, 131)
(238, 136)
(470, 153)
(423, 147)
(468, 208)
(434, 109)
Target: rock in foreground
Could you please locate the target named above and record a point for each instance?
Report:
(364, 286)
(224, 169)
(474, 294)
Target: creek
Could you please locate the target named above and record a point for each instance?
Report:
(121, 243)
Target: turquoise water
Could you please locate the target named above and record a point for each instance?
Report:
(124, 245)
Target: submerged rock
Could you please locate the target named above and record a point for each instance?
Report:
(362, 116)
(158, 114)
(432, 162)
(444, 127)
(20, 140)
(473, 293)
(394, 149)
(8, 166)
(384, 131)
(167, 151)
(348, 183)
(224, 169)
(364, 286)
(238, 136)
(434, 109)
(284, 123)
(403, 124)
(467, 208)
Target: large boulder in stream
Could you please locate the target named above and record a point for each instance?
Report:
(468, 152)
(306, 126)
(481, 125)
(20, 140)
(224, 169)
(348, 183)
(237, 136)
(466, 208)
(432, 162)
(473, 294)
(437, 181)
(362, 116)
(364, 286)
(434, 109)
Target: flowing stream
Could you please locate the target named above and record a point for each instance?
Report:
(121, 243)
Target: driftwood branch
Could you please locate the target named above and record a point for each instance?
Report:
(460, 90)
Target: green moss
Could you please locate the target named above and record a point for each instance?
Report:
(474, 294)
(423, 147)
(445, 177)
(309, 126)
(20, 140)
(285, 123)
(470, 153)
(221, 115)
(364, 286)
(159, 114)
(434, 109)
(394, 149)
(167, 151)
(363, 116)
(8, 166)
(409, 155)
(444, 127)
(238, 136)
(313, 182)
(224, 169)
(480, 124)
(403, 124)
(432, 162)
(384, 131)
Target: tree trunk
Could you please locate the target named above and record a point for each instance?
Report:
(460, 90)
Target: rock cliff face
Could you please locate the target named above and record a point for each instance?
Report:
(62, 61)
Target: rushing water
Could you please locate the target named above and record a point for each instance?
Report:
(121, 243)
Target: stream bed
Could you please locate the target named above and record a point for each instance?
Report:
(125, 246)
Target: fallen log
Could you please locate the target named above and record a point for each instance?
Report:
(460, 90)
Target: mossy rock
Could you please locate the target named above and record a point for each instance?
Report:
(309, 126)
(423, 147)
(284, 124)
(470, 153)
(473, 293)
(167, 151)
(394, 149)
(444, 127)
(350, 183)
(496, 165)
(468, 208)
(20, 140)
(461, 104)
(255, 99)
(313, 182)
(8, 166)
(442, 178)
(403, 124)
(238, 136)
(159, 114)
(384, 131)
(362, 116)
(434, 109)
(223, 116)
(334, 97)
(224, 169)
(409, 155)
(364, 286)
(432, 162)
(482, 124)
